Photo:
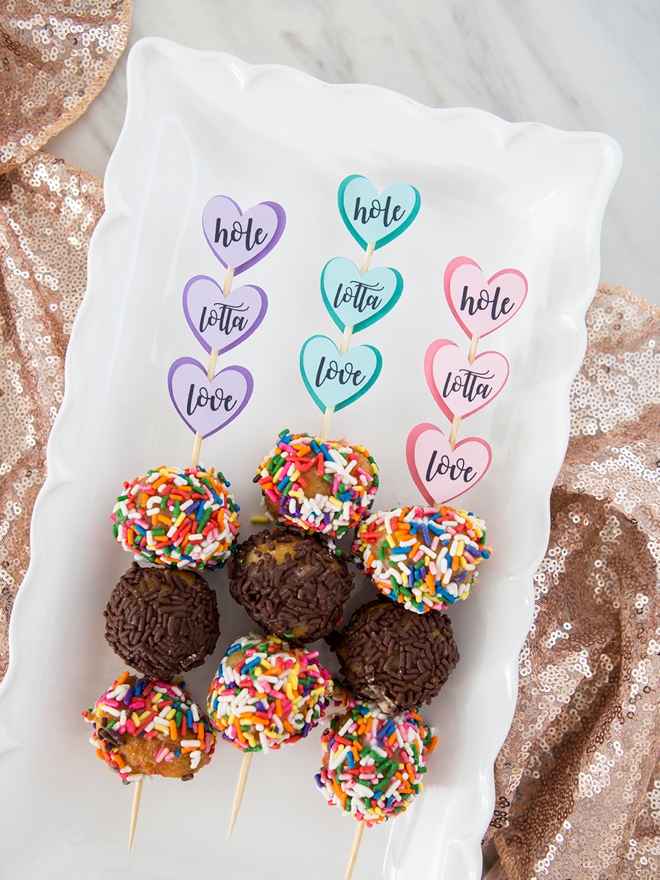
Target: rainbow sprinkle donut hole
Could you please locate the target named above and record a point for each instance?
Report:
(266, 693)
(373, 762)
(145, 727)
(316, 485)
(423, 557)
(178, 518)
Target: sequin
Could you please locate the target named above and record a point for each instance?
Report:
(56, 57)
(577, 780)
(48, 210)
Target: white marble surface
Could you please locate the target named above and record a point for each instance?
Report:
(592, 65)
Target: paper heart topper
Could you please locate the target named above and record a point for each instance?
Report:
(439, 472)
(459, 387)
(337, 380)
(219, 322)
(355, 300)
(205, 406)
(478, 305)
(376, 218)
(241, 239)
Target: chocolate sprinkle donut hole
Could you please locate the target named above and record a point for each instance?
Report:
(293, 586)
(396, 657)
(162, 622)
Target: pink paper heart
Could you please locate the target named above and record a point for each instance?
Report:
(478, 305)
(240, 239)
(461, 388)
(439, 473)
(220, 322)
(208, 406)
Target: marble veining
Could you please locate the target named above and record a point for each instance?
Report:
(587, 66)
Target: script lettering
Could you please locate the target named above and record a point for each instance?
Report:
(344, 374)
(228, 236)
(227, 318)
(361, 296)
(483, 302)
(471, 383)
(390, 214)
(217, 400)
(457, 470)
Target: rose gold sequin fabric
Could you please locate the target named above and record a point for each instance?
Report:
(578, 778)
(48, 210)
(56, 57)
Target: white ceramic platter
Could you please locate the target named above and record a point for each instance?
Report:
(200, 124)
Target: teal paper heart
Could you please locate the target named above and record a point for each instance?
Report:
(358, 301)
(373, 217)
(337, 380)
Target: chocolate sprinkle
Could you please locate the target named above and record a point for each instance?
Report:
(162, 622)
(291, 585)
(396, 657)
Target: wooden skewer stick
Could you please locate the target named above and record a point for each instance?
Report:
(325, 426)
(210, 373)
(137, 794)
(226, 290)
(453, 434)
(197, 448)
(368, 254)
(355, 849)
(345, 343)
(473, 349)
(240, 788)
(457, 419)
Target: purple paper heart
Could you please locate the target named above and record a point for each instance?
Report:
(208, 406)
(241, 239)
(220, 322)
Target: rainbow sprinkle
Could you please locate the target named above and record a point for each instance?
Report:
(423, 557)
(175, 737)
(178, 518)
(373, 762)
(266, 694)
(300, 459)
